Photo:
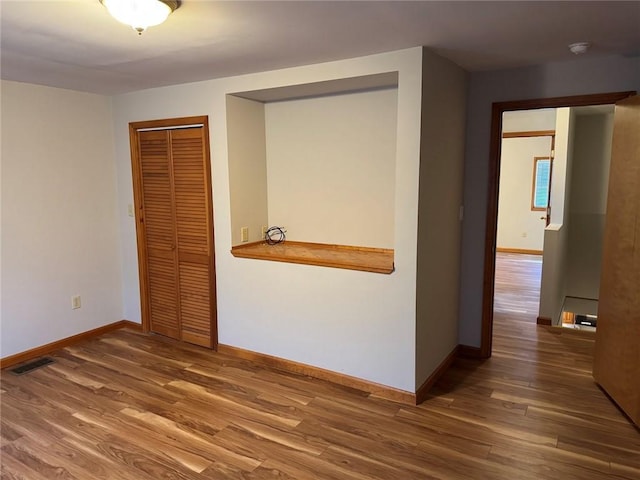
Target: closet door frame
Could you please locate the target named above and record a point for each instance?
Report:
(136, 166)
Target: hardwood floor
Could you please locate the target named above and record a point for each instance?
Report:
(517, 288)
(132, 407)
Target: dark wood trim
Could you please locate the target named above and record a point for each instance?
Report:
(497, 109)
(543, 321)
(525, 251)
(366, 259)
(491, 231)
(568, 101)
(423, 390)
(532, 133)
(373, 388)
(65, 342)
(467, 351)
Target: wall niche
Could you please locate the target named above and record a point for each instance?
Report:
(317, 159)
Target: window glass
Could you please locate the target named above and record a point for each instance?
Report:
(541, 177)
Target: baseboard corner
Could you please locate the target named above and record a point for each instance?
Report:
(36, 352)
(423, 390)
(467, 351)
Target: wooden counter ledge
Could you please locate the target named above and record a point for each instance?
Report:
(376, 260)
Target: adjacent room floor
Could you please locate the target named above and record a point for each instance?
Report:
(517, 287)
(128, 406)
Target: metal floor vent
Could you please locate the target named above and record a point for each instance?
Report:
(27, 367)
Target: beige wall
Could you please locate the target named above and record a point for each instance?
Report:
(520, 227)
(331, 167)
(555, 261)
(588, 203)
(247, 167)
(592, 157)
(561, 174)
(59, 223)
(441, 178)
(358, 323)
(529, 120)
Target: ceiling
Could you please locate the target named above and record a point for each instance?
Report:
(75, 44)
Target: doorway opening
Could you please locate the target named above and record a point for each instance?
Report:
(498, 109)
(527, 150)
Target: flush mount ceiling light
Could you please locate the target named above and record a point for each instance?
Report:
(140, 14)
(579, 48)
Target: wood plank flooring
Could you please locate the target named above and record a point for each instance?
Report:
(128, 406)
(517, 288)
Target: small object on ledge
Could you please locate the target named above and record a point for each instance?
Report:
(275, 235)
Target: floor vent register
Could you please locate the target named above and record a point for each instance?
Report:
(29, 367)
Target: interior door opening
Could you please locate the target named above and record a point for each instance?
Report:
(527, 150)
(494, 178)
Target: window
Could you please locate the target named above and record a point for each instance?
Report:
(541, 179)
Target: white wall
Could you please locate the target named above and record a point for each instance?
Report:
(574, 77)
(529, 120)
(247, 167)
(561, 176)
(59, 228)
(554, 272)
(519, 227)
(439, 228)
(588, 203)
(358, 323)
(331, 167)
(555, 260)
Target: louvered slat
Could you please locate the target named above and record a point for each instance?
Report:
(190, 190)
(159, 233)
(195, 308)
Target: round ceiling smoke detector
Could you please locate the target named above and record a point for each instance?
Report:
(579, 48)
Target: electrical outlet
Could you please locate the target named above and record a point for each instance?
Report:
(130, 210)
(244, 234)
(76, 302)
(524, 234)
(264, 231)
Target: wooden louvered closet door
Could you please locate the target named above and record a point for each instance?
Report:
(175, 231)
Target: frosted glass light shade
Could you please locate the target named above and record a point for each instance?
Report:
(140, 14)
